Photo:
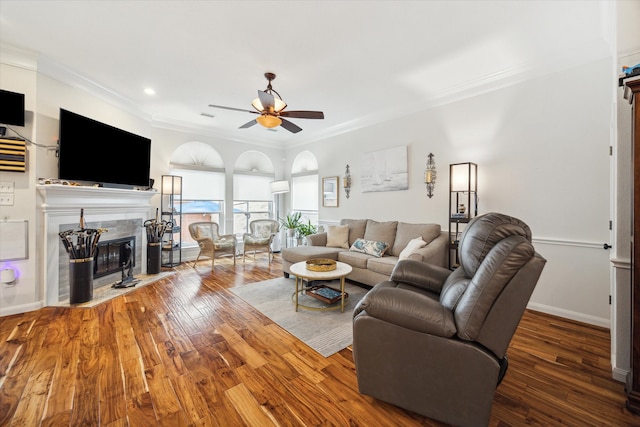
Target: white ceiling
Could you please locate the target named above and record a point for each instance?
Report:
(358, 61)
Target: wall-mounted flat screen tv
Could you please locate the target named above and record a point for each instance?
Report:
(95, 152)
(11, 108)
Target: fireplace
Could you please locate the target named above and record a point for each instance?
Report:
(112, 254)
(122, 212)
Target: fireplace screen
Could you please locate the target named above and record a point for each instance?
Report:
(112, 254)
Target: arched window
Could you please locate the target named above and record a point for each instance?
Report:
(203, 186)
(252, 198)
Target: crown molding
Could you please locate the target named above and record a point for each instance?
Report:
(588, 52)
(52, 69)
(18, 57)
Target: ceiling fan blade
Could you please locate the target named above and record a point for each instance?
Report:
(303, 114)
(267, 100)
(290, 126)
(233, 109)
(248, 124)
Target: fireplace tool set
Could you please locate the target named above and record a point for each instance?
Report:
(156, 229)
(81, 243)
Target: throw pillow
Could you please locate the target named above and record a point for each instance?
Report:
(411, 247)
(369, 247)
(338, 236)
(262, 230)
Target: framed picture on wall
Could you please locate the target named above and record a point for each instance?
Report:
(385, 170)
(330, 192)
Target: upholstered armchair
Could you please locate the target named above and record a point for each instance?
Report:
(434, 341)
(262, 232)
(212, 245)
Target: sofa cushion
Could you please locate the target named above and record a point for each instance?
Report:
(412, 246)
(407, 232)
(304, 253)
(338, 236)
(369, 247)
(356, 228)
(354, 259)
(381, 231)
(382, 265)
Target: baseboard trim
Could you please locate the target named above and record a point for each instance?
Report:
(572, 315)
(18, 309)
(619, 374)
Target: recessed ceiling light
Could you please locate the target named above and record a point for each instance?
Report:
(149, 91)
(207, 115)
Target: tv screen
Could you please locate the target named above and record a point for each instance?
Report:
(11, 108)
(95, 152)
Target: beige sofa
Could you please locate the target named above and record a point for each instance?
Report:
(370, 269)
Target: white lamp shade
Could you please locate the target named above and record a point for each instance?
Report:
(463, 177)
(171, 184)
(278, 187)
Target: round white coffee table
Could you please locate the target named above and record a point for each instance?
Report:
(299, 270)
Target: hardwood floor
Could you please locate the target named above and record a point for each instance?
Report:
(186, 351)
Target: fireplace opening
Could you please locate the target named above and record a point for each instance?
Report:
(112, 254)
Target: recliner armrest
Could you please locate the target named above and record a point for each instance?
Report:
(420, 274)
(407, 309)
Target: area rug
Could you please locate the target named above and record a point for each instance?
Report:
(327, 332)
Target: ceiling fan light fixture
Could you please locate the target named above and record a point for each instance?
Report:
(269, 121)
(278, 105)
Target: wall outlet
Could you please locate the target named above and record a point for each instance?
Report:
(7, 187)
(6, 199)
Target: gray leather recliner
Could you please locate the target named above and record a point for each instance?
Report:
(434, 341)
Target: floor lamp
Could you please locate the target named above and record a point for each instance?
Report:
(278, 187)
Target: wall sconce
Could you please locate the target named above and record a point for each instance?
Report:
(8, 276)
(346, 182)
(430, 175)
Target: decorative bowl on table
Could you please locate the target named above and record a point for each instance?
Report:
(321, 264)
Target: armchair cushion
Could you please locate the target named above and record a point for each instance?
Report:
(408, 309)
(263, 230)
(256, 240)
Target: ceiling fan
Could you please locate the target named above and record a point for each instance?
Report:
(271, 110)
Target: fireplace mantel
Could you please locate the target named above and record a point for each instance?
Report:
(60, 206)
(69, 196)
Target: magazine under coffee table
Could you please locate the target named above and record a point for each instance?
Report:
(302, 273)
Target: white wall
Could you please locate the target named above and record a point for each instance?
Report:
(25, 295)
(542, 149)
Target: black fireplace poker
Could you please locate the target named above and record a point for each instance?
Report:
(81, 242)
(156, 229)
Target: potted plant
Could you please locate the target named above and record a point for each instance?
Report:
(291, 222)
(305, 230)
